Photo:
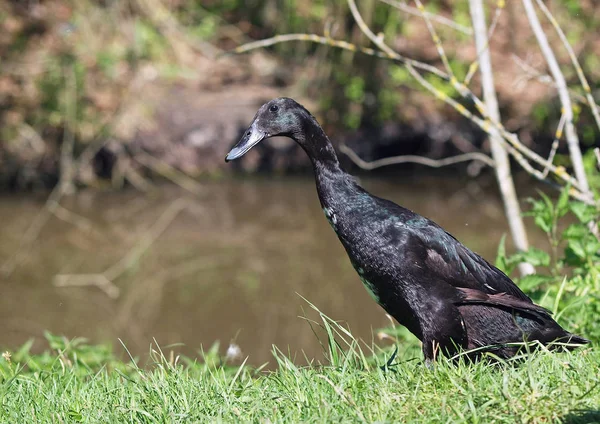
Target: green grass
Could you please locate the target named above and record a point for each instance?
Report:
(75, 382)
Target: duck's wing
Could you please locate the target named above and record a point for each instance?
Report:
(460, 266)
(441, 256)
(471, 296)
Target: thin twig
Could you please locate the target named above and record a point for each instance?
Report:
(136, 179)
(32, 137)
(533, 73)
(473, 67)
(511, 141)
(500, 4)
(437, 18)
(519, 151)
(563, 94)
(462, 89)
(328, 41)
(422, 160)
(436, 39)
(555, 142)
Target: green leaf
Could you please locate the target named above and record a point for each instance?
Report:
(592, 247)
(575, 232)
(542, 212)
(536, 257)
(547, 201)
(577, 247)
(585, 213)
(542, 222)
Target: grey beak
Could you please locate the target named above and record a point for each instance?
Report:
(250, 139)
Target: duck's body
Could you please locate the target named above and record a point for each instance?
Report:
(445, 294)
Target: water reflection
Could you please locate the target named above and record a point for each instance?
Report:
(228, 266)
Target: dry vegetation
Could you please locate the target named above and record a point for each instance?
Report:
(92, 74)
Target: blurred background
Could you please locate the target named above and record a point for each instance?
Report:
(120, 218)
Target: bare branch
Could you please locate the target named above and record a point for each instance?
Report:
(519, 151)
(551, 157)
(422, 160)
(563, 94)
(510, 141)
(328, 41)
(533, 73)
(136, 180)
(473, 67)
(367, 31)
(136, 84)
(499, 153)
(436, 39)
(555, 142)
(580, 75)
(436, 18)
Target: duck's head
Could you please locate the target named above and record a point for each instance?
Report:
(278, 117)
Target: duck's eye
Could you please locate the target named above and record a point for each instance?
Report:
(274, 108)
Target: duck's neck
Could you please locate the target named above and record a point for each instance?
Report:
(317, 146)
(334, 185)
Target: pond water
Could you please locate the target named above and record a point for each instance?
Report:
(229, 264)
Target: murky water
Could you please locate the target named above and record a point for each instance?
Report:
(229, 264)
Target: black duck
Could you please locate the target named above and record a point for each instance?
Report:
(445, 294)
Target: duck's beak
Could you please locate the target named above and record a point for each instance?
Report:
(250, 139)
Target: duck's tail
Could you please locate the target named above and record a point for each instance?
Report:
(503, 322)
(572, 341)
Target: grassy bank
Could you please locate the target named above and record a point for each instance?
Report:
(79, 383)
(73, 381)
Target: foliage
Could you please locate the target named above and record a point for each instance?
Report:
(67, 70)
(350, 386)
(102, 48)
(570, 287)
